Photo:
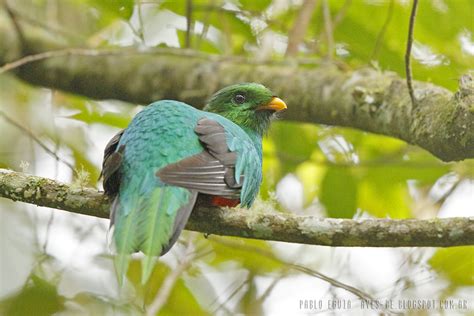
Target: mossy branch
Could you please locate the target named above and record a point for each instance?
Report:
(367, 99)
(255, 223)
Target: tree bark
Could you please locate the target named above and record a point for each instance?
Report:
(258, 222)
(367, 99)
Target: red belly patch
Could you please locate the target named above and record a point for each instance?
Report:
(220, 201)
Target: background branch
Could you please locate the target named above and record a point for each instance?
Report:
(297, 32)
(256, 223)
(367, 99)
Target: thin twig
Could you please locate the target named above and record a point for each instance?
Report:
(141, 30)
(135, 32)
(205, 27)
(383, 30)
(139, 33)
(440, 201)
(337, 19)
(328, 29)
(165, 290)
(297, 267)
(297, 32)
(362, 295)
(56, 143)
(50, 54)
(36, 140)
(411, 27)
(16, 25)
(216, 300)
(272, 285)
(268, 254)
(232, 294)
(48, 229)
(341, 14)
(189, 22)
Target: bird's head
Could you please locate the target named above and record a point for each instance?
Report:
(249, 105)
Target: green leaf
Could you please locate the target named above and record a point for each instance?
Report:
(382, 198)
(181, 300)
(310, 174)
(96, 13)
(251, 304)
(38, 297)
(456, 264)
(271, 169)
(205, 45)
(93, 304)
(282, 22)
(371, 147)
(253, 5)
(281, 154)
(435, 28)
(383, 187)
(118, 8)
(339, 193)
(94, 112)
(230, 24)
(245, 252)
(108, 118)
(86, 172)
(236, 32)
(290, 152)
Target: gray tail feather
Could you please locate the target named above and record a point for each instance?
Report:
(180, 221)
(113, 211)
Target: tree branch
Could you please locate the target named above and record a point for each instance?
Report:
(255, 223)
(367, 99)
(298, 31)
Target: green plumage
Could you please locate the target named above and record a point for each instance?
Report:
(156, 169)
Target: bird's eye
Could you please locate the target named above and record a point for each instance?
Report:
(239, 99)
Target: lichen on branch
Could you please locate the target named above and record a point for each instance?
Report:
(255, 223)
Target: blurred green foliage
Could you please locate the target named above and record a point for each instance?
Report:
(38, 297)
(181, 300)
(455, 263)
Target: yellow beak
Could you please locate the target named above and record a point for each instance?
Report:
(275, 104)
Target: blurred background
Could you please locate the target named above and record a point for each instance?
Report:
(54, 262)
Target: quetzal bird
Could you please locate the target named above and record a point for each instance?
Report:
(171, 152)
